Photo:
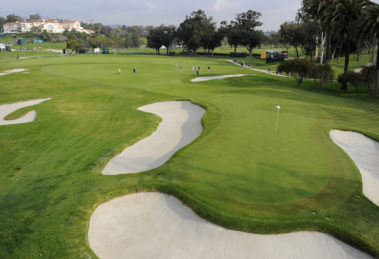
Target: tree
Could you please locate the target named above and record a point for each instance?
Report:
(247, 22)
(252, 40)
(354, 78)
(314, 35)
(272, 39)
(233, 34)
(192, 29)
(14, 18)
(309, 43)
(297, 68)
(321, 74)
(45, 36)
(370, 19)
(99, 41)
(154, 39)
(341, 19)
(72, 44)
(368, 76)
(35, 17)
(211, 40)
(167, 34)
(143, 41)
(2, 22)
(291, 33)
(134, 41)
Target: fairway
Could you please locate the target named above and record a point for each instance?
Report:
(238, 174)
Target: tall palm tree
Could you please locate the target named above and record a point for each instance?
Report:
(370, 31)
(341, 19)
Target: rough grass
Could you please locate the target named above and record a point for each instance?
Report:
(238, 174)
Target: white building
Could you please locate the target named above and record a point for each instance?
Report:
(51, 26)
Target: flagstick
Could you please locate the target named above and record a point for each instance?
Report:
(277, 123)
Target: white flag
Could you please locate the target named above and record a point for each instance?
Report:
(278, 107)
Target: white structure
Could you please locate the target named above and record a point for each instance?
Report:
(51, 26)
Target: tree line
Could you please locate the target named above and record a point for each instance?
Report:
(200, 31)
(106, 36)
(339, 28)
(196, 31)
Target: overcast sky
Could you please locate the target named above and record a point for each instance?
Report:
(149, 12)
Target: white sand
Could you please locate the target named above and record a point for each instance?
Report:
(16, 70)
(6, 109)
(59, 51)
(181, 124)
(365, 154)
(207, 78)
(154, 225)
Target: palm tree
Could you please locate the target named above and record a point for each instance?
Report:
(370, 31)
(341, 19)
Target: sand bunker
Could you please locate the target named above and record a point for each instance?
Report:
(16, 70)
(55, 51)
(365, 154)
(6, 109)
(154, 225)
(181, 124)
(207, 78)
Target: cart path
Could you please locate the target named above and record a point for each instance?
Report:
(207, 78)
(255, 69)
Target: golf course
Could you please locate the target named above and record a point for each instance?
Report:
(249, 167)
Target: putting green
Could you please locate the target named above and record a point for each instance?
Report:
(238, 173)
(248, 160)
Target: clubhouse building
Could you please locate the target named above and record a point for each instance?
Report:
(51, 26)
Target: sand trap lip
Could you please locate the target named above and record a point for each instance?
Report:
(155, 225)
(181, 124)
(365, 154)
(6, 109)
(207, 78)
(16, 70)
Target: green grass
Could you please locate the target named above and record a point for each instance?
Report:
(40, 46)
(238, 173)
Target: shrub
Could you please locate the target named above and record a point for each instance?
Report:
(297, 68)
(368, 76)
(322, 74)
(354, 78)
(72, 44)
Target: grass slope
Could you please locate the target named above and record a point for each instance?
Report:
(238, 174)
